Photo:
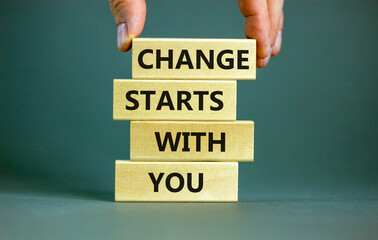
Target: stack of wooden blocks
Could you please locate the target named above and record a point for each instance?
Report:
(185, 142)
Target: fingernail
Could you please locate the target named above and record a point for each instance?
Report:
(277, 44)
(123, 38)
(279, 36)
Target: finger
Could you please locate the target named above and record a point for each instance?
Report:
(275, 14)
(129, 16)
(277, 45)
(260, 63)
(257, 24)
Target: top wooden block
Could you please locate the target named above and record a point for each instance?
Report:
(211, 59)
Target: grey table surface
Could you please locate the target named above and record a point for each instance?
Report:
(28, 211)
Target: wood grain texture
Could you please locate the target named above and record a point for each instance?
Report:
(163, 100)
(191, 141)
(210, 59)
(176, 182)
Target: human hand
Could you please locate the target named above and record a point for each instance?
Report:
(263, 22)
(130, 16)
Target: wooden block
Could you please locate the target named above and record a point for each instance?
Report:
(176, 182)
(191, 141)
(174, 100)
(165, 58)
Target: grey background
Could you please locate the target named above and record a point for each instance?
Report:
(314, 107)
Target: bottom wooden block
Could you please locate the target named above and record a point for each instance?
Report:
(176, 181)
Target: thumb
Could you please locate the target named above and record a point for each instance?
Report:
(257, 24)
(129, 16)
